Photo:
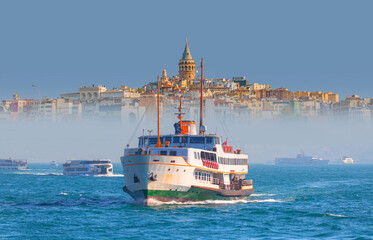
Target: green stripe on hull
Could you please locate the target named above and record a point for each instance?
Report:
(194, 194)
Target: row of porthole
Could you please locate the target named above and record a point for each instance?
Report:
(176, 170)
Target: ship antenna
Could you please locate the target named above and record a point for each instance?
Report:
(201, 103)
(159, 144)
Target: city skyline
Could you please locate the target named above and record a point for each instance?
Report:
(314, 53)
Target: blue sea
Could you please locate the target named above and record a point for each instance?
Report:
(331, 202)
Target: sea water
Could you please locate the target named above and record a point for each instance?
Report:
(300, 202)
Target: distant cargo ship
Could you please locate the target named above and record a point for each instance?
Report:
(99, 167)
(301, 159)
(13, 164)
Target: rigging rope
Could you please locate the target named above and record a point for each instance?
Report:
(138, 125)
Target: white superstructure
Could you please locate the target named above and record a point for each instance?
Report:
(97, 167)
(347, 160)
(13, 164)
(54, 163)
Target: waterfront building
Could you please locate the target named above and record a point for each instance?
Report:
(257, 86)
(90, 94)
(241, 82)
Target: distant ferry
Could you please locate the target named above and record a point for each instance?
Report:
(347, 160)
(13, 164)
(98, 167)
(301, 159)
(54, 163)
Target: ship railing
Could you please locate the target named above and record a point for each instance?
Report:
(247, 183)
(227, 149)
(210, 164)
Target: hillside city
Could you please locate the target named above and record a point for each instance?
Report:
(236, 98)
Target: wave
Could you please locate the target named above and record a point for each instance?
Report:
(69, 201)
(40, 174)
(262, 194)
(114, 175)
(334, 215)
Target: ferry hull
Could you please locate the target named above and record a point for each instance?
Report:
(150, 179)
(152, 197)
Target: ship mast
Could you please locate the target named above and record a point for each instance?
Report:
(159, 144)
(201, 103)
(180, 117)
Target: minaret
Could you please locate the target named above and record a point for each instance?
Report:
(187, 66)
(164, 78)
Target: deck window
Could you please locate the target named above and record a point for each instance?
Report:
(153, 140)
(197, 140)
(176, 139)
(184, 139)
(167, 139)
(163, 153)
(210, 140)
(173, 153)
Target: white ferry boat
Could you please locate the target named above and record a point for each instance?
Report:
(185, 166)
(54, 163)
(13, 164)
(301, 159)
(347, 160)
(98, 167)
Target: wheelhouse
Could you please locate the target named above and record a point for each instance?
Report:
(180, 140)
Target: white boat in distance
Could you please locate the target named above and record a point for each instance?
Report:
(54, 163)
(13, 164)
(347, 160)
(97, 167)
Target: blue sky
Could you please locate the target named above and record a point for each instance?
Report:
(300, 45)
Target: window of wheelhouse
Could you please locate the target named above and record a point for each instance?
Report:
(212, 140)
(184, 139)
(197, 140)
(143, 141)
(153, 140)
(167, 139)
(176, 140)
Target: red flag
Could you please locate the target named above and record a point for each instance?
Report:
(225, 143)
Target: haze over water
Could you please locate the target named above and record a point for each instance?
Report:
(262, 140)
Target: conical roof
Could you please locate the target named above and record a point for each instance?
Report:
(186, 54)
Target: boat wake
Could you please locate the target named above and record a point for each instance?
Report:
(262, 194)
(39, 174)
(334, 215)
(154, 202)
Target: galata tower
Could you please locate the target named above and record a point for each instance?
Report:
(187, 66)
